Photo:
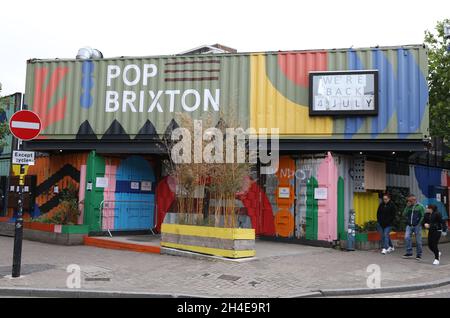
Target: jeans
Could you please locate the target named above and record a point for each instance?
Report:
(417, 230)
(385, 237)
(433, 241)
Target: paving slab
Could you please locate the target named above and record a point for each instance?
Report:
(288, 270)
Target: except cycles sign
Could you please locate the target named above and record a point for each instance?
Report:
(23, 157)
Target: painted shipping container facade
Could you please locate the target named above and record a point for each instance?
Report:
(125, 193)
(8, 105)
(431, 185)
(138, 97)
(51, 175)
(119, 193)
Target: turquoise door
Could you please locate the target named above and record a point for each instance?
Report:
(134, 195)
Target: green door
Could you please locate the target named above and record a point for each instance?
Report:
(95, 168)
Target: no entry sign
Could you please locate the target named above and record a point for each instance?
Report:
(25, 125)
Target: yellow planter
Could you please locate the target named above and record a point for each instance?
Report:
(217, 241)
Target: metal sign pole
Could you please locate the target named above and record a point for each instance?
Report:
(18, 229)
(24, 125)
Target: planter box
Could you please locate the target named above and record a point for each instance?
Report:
(373, 236)
(49, 233)
(217, 241)
(72, 229)
(361, 237)
(7, 229)
(44, 227)
(53, 237)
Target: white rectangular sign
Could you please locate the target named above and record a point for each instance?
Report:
(146, 186)
(101, 182)
(349, 92)
(23, 157)
(320, 193)
(134, 185)
(284, 193)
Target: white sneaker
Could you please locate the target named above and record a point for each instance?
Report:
(390, 249)
(440, 255)
(436, 262)
(383, 251)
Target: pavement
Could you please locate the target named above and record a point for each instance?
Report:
(279, 270)
(440, 292)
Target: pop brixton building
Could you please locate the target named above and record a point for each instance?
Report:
(350, 120)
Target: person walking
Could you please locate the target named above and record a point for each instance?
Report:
(436, 227)
(385, 219)
(414, 213)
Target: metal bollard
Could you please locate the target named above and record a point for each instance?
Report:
(351, 232)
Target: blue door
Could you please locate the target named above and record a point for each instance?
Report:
(134, 195)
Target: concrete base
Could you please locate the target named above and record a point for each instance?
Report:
(53, 238)
(6, 229)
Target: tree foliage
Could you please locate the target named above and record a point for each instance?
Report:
(439, 81)
(4, 128)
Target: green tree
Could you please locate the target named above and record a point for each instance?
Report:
(4, 128)
(439, 82)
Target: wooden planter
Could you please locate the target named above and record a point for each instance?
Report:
(373, 236)
(399, 235)
(217, 241)
(55, 233)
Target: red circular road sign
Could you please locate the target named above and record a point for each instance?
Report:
(25, 125)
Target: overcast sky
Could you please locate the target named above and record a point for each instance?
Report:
(50, 29)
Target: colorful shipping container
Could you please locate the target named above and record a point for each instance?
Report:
(137, 98)
(105, 115)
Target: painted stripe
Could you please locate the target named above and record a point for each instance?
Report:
(109, 195)
(208, 231)
(192, 70)
(81, 192)
(191, 79)
(211, 251)
(25, 124)
(193, 62)
(115, 245)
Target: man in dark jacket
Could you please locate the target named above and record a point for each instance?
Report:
(385, 218)
(413, 213)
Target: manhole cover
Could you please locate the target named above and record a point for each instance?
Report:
(97, 279)
(229, 277)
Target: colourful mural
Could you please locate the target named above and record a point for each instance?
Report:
(327, 178)
(53, 174)
(429, 184)
(254, 201)
(285, 197)
(139, 97)
(120, 193)
(366, 206)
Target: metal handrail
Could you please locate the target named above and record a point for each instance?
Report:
(102, 205)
